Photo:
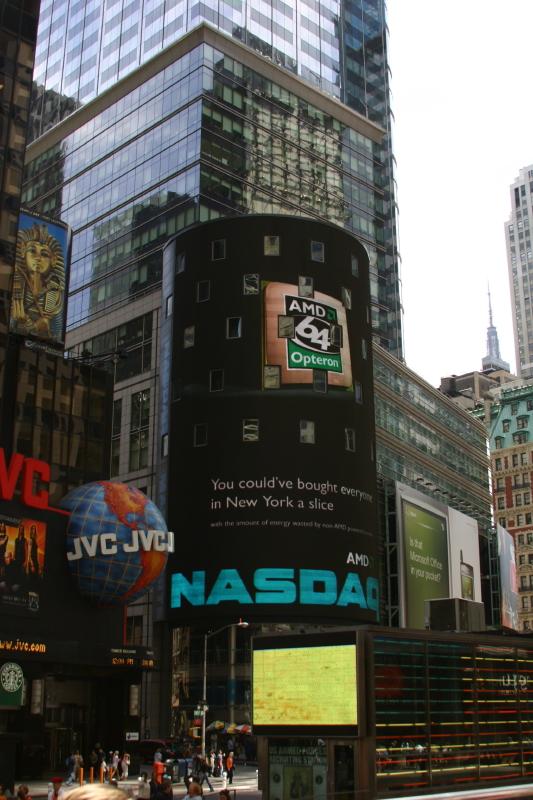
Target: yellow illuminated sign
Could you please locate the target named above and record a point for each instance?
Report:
(305, 686)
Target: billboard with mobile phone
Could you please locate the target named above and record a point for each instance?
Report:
(439, 554)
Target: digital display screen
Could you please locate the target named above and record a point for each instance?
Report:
(300, 686)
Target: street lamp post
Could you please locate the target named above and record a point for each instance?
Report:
(240, 624)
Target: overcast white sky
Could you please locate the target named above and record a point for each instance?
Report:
(463, 107)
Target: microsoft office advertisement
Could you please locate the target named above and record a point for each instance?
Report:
(438, 554)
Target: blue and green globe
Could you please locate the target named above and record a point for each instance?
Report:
(106, 520)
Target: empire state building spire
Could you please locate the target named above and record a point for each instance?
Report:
(493, 360)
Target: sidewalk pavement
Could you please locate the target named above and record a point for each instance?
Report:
(244, 781)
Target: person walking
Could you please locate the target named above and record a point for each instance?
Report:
(75, 765)
(56, 789)
(219, 764)
(230, 766)
(70, 764)
(203, 773)
(124, 766)
(101, 766)
(115, 759)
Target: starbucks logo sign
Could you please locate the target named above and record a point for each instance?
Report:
(11, 677)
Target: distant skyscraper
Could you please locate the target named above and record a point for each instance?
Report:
(520, 263)
(493, 360)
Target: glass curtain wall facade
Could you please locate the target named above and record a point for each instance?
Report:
(424, 440)
(84, 46)
(206, 137)
(339, 46)
(428, 442)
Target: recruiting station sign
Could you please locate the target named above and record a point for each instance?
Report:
(273, 488)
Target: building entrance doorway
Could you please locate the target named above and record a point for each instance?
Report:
(341, 770)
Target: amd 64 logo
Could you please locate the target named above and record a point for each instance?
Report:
(314, 337)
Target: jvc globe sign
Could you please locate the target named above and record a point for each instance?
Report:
(117, 541)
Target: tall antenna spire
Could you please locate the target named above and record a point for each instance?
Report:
(493, 359)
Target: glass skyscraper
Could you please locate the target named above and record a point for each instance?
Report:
(85, 48)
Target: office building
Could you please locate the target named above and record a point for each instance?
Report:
(86, 49)
(520, 266)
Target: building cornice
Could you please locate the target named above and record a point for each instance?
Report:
(205, 34)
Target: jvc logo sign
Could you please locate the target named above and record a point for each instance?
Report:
(108, 544)
(28, 470)
(317, 339)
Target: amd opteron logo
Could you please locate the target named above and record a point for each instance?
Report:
(317, 339)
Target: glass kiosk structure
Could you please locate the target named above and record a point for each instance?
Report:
(374, 712)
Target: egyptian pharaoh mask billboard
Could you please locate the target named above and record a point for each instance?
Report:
(39, 290)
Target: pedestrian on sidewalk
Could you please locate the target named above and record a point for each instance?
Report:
(56, 789)
(203, 773)
(115, 758)
(70, 764)
(76, 765)
(124, 766)
(230, 766)
(219, 764)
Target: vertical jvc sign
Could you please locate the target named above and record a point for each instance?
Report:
(23, 472)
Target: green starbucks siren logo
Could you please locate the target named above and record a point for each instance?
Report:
(317, 339)
(11, 677)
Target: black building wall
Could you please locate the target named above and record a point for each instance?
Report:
(272, 484)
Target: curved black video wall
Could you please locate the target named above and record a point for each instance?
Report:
(271, 473)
